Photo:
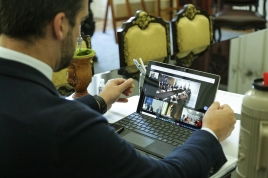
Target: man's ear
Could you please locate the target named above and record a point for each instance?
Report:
(60, 25)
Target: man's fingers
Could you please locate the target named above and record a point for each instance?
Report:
(126, 93)
(127, 84)
(119, 81)
(215, 105)
(122, 100)
(226, 106)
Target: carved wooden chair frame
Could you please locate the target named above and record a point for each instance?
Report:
(190, 12)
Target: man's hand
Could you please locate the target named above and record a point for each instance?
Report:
(114, 88)
(220, 119)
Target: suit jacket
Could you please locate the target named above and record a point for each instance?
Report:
(44, 135)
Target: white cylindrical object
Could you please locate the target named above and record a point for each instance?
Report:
(141, 81)
(101, 85)
(253, 140)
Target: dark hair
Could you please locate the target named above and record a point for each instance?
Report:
(26, 19)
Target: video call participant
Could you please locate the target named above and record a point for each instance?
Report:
(45, 135)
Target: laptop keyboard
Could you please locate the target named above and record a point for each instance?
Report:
(155, 128)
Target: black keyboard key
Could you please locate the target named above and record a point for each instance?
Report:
(159, 138)
(174, 143)
(178, 140)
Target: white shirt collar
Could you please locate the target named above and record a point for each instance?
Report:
(28, 60)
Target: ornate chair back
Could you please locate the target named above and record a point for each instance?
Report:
(192, 34)
(143, 36)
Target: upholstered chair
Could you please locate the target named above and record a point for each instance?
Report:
(192, 34)
(143, 36)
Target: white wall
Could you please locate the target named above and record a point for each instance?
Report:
(261, 7)
(98, 7)
(248, 60)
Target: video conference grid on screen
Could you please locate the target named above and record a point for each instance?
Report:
(173, 96)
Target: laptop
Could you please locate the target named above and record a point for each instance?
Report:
(171, 107)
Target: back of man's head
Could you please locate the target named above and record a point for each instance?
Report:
(26, 19)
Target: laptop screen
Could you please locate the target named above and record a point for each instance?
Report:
(176, 94)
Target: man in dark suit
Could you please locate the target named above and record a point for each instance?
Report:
(45, 135)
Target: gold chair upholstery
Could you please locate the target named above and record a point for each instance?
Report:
(192, 34)
(143, 36)
(59, 79)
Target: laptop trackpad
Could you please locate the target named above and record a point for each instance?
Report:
(138, 139)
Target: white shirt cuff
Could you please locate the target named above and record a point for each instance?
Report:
(210, 131)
